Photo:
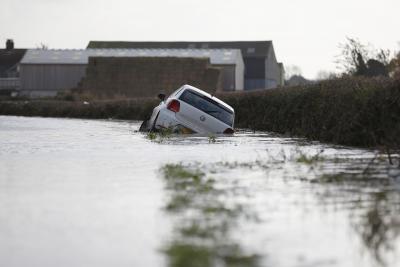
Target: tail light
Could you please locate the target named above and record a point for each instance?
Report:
(174, 105)
(229, 131)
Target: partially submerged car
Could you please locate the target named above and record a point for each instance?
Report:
(191, 110)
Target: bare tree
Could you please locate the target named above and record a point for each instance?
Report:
(353, 55)
(363, 60)
(42, 46)
(394, 67)
(384, 56)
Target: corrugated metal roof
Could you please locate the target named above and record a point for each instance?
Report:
(249, 48)
(9, 58)
(216, 56)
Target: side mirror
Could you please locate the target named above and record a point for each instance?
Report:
(161, 96)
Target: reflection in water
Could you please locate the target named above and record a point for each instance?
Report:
(379, 227)
(207, 210)
(205, 220)
(375, 215)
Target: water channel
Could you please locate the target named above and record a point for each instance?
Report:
(98, 193)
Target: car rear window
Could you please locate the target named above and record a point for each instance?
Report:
(208, 106)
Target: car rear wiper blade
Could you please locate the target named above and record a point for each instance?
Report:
(212, 111)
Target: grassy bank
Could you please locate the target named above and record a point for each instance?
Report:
(356, 111)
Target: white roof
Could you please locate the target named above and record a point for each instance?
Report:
(216, 56)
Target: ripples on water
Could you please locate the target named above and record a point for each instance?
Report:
(97, 193)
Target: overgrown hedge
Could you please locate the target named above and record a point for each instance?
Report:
(351, 111)
(132, 109)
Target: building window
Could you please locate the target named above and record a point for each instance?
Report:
(251, 50)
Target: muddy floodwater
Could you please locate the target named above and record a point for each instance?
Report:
(98, 193)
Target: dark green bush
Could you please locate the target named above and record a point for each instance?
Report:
(131, 109)
(348, 111)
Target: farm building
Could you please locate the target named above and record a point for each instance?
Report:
(9, 60)
(262, 71)
(46, 72)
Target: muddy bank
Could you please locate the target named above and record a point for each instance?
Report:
(356, 111)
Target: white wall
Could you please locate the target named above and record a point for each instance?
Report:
(239, 74)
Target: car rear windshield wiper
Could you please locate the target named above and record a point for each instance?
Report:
(212, 111)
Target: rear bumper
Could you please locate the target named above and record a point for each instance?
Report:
(165, 119)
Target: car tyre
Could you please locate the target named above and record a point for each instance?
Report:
(143, 126)
(153, 127)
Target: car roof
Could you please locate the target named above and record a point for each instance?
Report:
(222, 103)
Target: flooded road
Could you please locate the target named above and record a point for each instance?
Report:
(98, 193)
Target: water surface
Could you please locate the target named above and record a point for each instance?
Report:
(98, 193)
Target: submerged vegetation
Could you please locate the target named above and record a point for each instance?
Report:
(304, 158)
(160, 135)
(151, 136)
(205, 220)
(212, 138)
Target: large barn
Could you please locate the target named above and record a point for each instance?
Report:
(262, 71)
(46, 72)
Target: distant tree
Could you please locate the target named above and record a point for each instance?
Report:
(42, 46)
(362, 60)
(351, 59)
(383, 56)
(326, 75)
(375, 68)
(297, 80)
(394, 67)
(292, 70)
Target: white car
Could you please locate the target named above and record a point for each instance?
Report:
(191, 110)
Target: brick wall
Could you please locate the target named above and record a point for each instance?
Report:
(147, 76)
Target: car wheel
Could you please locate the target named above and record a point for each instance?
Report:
(143, 126)
(153, 127)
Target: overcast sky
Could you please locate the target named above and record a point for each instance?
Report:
(304, 33)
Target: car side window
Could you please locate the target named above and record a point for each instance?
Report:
(208, 106)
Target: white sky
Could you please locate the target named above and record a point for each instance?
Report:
(305, 33)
